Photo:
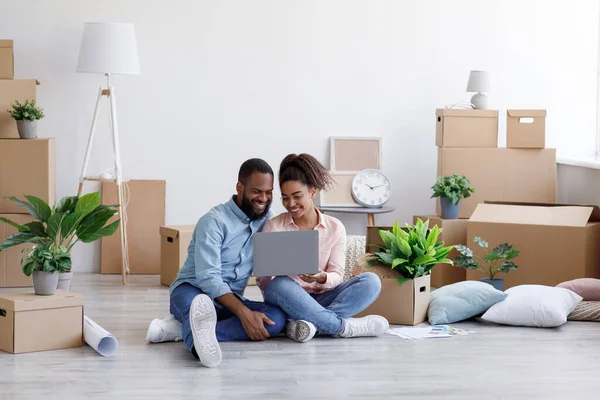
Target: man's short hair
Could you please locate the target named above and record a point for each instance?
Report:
(253, 165)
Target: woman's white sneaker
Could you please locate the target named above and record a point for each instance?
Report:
(300, 330)
(371, 325)
(203, 322)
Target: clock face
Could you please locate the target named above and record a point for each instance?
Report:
(371, 188)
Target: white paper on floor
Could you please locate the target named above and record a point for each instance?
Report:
(416, 333)
(98, 338)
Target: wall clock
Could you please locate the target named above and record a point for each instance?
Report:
(371, 188)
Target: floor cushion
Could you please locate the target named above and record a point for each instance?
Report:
(534, 305)
(586, 311)
(588, 288)
(462, 300)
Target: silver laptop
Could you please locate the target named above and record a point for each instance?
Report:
(286, 253)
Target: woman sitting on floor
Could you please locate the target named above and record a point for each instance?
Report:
(321, 302)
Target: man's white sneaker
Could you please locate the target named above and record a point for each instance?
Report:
(371, 325)
(300, 330)
(203, 322)
(164, 330)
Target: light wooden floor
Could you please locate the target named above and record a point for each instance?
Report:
(495, 363)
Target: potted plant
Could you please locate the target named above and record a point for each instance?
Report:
(404, 265)
(54, 232)
(451, 190)
(412, 253)
(502, 254)
(27, 116)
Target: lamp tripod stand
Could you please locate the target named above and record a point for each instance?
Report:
(110, 93)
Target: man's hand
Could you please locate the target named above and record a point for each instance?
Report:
(254, 324)
(320, 277)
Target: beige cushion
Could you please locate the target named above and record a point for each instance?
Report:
(586, 311)
(355, 249)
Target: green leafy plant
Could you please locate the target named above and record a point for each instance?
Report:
(412, 252)
(58, 228)
(453, 187)
(26, 112)
(502, 254)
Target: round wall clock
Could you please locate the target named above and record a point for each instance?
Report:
(371, 188)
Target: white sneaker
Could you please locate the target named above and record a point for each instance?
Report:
(300, 330)
(371, 325)
(164, 330)
(203, 322)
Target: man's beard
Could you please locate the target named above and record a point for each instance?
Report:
(249, 210)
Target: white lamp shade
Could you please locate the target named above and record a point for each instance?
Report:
(479, 81)
(108, 48)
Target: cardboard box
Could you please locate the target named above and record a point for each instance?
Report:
(174, 244)
(404, 304)
(466, 128)
(145, 215)
(558, 242)
(27, 167)
(31, 323)
(11, 91)
(11, 274)
(526, 129)
(501, 174)
(7, 60)
(454, 232)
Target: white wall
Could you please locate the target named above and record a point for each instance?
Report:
(223, 81)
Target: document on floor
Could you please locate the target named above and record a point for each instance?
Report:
(430, 332)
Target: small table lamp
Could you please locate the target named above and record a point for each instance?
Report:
(109, 48)
(479, 82)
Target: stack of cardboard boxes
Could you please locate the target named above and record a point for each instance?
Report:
(523, 171)
(28, 167)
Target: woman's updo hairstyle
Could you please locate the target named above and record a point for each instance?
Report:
(306, 169)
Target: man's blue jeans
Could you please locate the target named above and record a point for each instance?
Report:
(229, 326)
(328, 310)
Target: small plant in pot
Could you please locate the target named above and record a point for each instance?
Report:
(412, 253)
(451, 190)
(27, 116)
(54, 233)
(491, 264)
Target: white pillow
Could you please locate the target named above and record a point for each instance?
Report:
(534, 305)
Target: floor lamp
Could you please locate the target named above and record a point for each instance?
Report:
(109, 48)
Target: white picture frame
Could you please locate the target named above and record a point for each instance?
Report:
(354, 154)
(340, 194)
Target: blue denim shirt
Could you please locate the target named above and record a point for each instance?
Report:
(219, 257)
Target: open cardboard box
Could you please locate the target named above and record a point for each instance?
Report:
(558, 242)
(401, 304)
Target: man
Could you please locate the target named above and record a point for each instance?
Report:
(207, 295)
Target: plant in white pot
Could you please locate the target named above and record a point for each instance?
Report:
(54, 233)
(451, 190)
(502, 254)
(27, 116)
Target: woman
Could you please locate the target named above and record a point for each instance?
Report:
(321, 302)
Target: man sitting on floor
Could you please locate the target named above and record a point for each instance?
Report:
(207, 296)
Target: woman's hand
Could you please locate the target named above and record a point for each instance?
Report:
(320, 277)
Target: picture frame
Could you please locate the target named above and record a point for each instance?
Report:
(354, 154)
(340, 195)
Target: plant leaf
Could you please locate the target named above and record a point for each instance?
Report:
(42, 208)
(20, 238)
(402, 280)
(108, 230)
(465, 262)
(511, 254)
(67, 204)
(481, 242)
(54, 223)
(385, 258)
(37, 228)
(68, 225)
(29, 207)
(93, 222)
(398, 261)
(507, 266)
(492, 256)
(20, 228)
(87, 203)
(464, 250)
(387, 237)
(424, 259)
(28, 266)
